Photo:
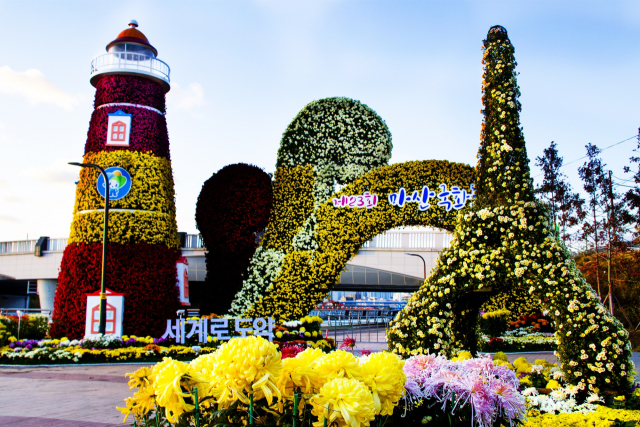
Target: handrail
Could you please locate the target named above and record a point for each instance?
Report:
(193, 241)
(18, 247)
(393, 240)
(130, 61)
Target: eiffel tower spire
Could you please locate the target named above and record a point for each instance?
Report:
(503, 166)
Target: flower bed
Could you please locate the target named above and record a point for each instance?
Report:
(304, 331)
(602, 417)
(521, 339)
(247, 379)
(27, 325)
(108, 349)
(298, 336)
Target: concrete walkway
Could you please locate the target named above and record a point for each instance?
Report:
(69, 396)
(87, 396)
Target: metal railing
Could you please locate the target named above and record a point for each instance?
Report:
(422, 240)
(18, 247)
(366, 326)
(414, 240)
(28, 246)
(447, 240)
(193, 241)
(130, 61)
(57, 245)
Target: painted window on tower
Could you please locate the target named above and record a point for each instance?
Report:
(118, 129)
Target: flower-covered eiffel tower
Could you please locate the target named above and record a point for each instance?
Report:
(127, 137)
(506, 240)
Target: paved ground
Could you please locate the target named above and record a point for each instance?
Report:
(73, 396)
(86, 396)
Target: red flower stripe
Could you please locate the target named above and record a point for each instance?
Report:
(131, 89)
(145, 274)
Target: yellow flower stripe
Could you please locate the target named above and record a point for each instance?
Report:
(603, 417)
(151, 186)
(307, 276)
(292, 205)
(126, 227)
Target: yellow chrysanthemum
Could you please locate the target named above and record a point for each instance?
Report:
(203, 365)
(173, 382)
(383, 373)
(553, 384)
(142, 378)
(247, 365)
(337, 364)
(524, 368)
(344, 401)
(299, 372)
(519, 361)
(463, 355)
(142, 402)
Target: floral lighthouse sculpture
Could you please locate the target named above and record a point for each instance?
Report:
(128, 138)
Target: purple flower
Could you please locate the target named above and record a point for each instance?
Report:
(488, 391)
(509, 402)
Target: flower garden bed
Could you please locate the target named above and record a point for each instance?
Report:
(109, 349)
(248, 381)
(519, 340)
(291, 338)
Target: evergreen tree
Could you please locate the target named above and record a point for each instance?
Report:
(565, 205)
(592, 175)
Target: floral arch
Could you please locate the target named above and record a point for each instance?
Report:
(503, 240)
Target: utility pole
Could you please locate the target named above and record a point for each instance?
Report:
(609, 250)
(595, 235)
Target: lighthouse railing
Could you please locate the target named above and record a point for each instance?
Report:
(110, 62)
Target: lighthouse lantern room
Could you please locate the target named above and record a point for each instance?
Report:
(131, 53)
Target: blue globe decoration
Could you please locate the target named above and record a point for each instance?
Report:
(119, 183)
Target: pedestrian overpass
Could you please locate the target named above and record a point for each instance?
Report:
(395, 261)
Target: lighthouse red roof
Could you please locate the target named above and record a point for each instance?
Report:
(133, 35)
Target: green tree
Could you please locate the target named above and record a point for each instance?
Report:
(556, 191)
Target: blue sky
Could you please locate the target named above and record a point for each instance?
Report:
(241, 70)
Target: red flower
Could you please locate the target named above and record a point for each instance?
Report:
(233, 206)
(145, 274)
(291, 350)
(495, 341)
(348, 342)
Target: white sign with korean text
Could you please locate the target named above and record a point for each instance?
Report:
(182, 329)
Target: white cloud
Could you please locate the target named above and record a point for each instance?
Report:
(7, 219)
(33, 85)
(58, 173)
(185, 99)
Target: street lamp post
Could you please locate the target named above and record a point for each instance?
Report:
(423, 262)
(103, 282)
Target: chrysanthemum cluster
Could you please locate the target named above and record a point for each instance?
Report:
(504, 241)
(249, 371)
(490, 390)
